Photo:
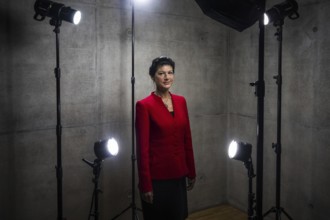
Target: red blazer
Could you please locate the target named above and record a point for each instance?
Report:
(164, 145)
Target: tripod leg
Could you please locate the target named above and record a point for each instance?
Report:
(273, 209)
(91, 208)
(286, 214)
(134, 212)
(122, 212)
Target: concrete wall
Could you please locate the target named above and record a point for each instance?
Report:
(215, 65)
(305, 112)
(96, 101)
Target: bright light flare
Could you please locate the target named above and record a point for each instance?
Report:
(141, 1)
(77, 17)
(112, 147)
(232, 150)
(266, 19)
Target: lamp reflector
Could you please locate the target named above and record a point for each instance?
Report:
(57, 11)
(106, 148)
(276, 14)
(240, 151)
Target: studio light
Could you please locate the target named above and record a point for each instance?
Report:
(57, 11)
(240, 151)
(276, 15)
(102, 149)
(278, 12)
(106, 148)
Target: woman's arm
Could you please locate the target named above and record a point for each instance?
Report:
(142, 136)
(189, 148)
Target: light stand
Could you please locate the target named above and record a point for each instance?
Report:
(260, 115)
(133, 156)
(57, 12)
(95, 198)
(102, 149)
(276, 15)
(59, 171)
(278, 146)
(242, 152)
(260, 93)
(251, 199)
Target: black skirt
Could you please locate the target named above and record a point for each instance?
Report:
(169, 202)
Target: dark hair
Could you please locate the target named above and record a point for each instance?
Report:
(158, 62)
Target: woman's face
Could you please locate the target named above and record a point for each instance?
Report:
(164, 77)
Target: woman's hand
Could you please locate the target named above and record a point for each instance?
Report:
(190, 183)
(148, 197)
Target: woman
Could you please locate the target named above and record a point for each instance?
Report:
(164, 147)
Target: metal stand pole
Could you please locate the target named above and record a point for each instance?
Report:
(133, 157)
(95, 198)
(59, 172)
(278, 146)
(260, 93)
(251, 200)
